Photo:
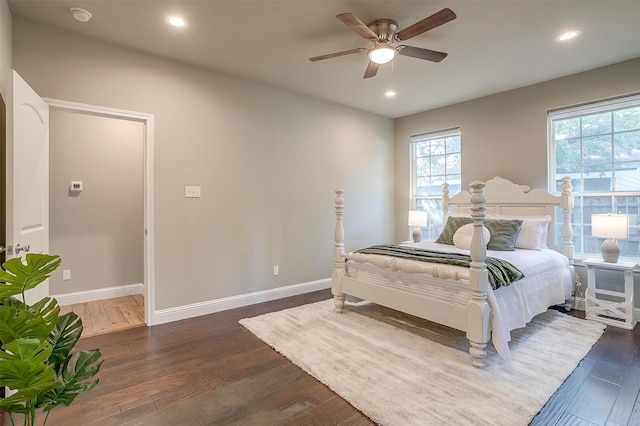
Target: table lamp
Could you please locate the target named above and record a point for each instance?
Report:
(417, 219)
(610, 226)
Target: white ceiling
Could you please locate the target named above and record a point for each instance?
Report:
(493, 46)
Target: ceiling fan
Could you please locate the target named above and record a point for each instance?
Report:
(383, 33)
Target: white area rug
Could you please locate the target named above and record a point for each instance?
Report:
(401, 370)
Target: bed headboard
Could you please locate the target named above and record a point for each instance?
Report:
(504, 197)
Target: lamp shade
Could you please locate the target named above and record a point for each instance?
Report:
(610, 225)
(417, 218)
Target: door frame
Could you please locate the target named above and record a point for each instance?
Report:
(148, 121)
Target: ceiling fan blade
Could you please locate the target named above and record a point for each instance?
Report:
(336, 54)
(429, 23)
(357, 25)
(372, 70)
(420, 53)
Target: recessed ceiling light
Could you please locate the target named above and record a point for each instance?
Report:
(390, 93)
(80, 15)
(176, 21)
(569, 35)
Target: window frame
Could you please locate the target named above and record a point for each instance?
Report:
(583, 241)
(434, 219)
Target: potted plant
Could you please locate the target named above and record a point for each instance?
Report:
(36, 359)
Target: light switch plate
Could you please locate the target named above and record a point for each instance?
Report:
(192, 191)
(76, 186)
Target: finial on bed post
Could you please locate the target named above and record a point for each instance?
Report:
(338, 254)
(567, 210)
(477, 308)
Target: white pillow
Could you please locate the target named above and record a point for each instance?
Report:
(464, 234)
(533, 233)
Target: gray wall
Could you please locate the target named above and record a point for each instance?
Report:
(99, 232)
(267, 161)
(506, 134)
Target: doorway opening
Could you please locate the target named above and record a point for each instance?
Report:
(109, 218)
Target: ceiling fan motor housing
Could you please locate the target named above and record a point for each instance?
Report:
(385, 29)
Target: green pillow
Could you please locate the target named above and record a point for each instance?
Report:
(453, 223)
(504, 233)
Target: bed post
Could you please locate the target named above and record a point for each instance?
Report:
(477, 307)
(338, 255)
(567, 210)
(445, 203)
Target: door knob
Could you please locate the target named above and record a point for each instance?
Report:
(20, 248)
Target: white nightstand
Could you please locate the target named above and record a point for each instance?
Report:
(616, 308)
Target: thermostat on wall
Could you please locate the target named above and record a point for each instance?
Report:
(75, 186)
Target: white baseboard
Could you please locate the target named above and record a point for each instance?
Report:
(212, 306)
(98, 294)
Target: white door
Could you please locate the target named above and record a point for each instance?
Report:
(27, 226)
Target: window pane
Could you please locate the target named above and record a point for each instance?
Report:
(597, 150)
(422, 166)
(422, 149)
(437, 147)
(626, 119)
(421, 188)
(596, 124)
(435, 185)
(628, 176)
(597, 180)
(627, 146)
(568, 153)
(596, 205)
(565, 129)
(438, 164)
(453, 164)
(453, 144)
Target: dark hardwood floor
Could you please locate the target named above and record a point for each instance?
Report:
(211, 370)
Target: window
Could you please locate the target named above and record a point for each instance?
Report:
(598, 146)
(435, 159)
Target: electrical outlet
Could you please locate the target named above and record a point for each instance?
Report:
(192, 191)
(276, 271)
(66, 274)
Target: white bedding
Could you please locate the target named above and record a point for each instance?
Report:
(547, 282)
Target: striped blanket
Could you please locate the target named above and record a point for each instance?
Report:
(501, 273)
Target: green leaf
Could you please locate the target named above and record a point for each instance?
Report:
(25, 369)
(64, 337)
(17, 277)
(74, 376)
(17, 322)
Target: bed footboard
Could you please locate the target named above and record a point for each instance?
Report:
(477, 324)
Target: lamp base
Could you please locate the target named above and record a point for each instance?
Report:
(417, 235)
(610, 251)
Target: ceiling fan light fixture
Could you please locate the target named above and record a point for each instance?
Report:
(382, 53)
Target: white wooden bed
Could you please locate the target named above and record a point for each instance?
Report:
(475, 314)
